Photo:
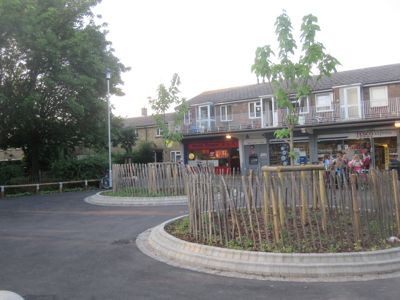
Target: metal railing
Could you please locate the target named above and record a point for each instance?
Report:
(312, 115)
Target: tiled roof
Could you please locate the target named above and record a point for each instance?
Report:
(381, 74)
(146, 121)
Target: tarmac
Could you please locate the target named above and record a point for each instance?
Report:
(58, 247)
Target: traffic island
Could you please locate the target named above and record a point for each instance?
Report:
(312, 267)
(98, 199)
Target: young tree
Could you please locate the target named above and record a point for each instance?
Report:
(52, 83)
(292, 80)
(126, 138)
(168, 98)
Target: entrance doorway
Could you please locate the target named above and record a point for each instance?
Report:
(381, 156)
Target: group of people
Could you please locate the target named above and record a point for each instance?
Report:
(341, 165)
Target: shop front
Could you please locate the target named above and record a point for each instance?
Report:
(378, 143)
(222, 154)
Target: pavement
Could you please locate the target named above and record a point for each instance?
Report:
(57, 247)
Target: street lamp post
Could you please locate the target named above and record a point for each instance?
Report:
(108, 76)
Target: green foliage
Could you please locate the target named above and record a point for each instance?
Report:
(52, 84)
(8, 171)
(179, 227)
(126, 138)
(168, 97)
(290, 78)
(92, 167)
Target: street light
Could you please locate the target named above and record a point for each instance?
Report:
(108, 76)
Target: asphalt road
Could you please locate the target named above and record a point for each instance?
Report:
(58, 247)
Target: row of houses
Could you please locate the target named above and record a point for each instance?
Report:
(351, 112)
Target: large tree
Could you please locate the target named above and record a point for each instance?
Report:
(293, 75)
(52, 84)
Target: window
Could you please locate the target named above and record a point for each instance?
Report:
(175, 156)
(323, 102)
(301, 104)
(159, 132)
(378, 96)
(186, 118)
(204, 112)
(255, 109)
(226, 113)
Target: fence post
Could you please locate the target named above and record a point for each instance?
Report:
(396, 199)
(86, 184)
(322, 193)
(356, 214)
(60, 187)
(2, 193)
(37, 188)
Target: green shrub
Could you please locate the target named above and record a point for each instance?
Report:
(92, 167)
(10, 171)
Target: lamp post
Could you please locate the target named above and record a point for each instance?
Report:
(108, 76)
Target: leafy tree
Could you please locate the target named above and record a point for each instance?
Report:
(52, 83)
(166, 99)
(126, 138)
(292, 79)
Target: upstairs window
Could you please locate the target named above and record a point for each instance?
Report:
(159, 132)
(226, 113)
(186, 118)
(378, 96)
(255, 109)
(323, 102)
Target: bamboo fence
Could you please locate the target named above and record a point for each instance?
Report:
(301, 209)
(154, 179)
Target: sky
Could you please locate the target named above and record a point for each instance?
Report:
(211, 43)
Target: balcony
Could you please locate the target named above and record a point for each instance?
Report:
(312, 116)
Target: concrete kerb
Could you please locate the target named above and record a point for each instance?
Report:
(98, 199)
(314, 267)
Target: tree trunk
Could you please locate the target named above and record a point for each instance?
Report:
(35, 163)
(291, 144)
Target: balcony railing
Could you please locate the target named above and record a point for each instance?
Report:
(307, 116)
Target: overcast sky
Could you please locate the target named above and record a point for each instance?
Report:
(211, 43)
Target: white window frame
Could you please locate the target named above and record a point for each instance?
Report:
(378, 102)
(296, 101)
(225, 114)
(186, 117)
(256, 109)
(158, 132)
(320, 108)
(173, 156)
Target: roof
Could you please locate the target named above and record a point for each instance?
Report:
(366, 76)
(145, 121)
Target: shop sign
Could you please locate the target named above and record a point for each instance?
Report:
(360, 134)
(255, 141)
(213, 145)
(374, 133)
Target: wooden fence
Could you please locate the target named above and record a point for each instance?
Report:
(305, 210)
(37, 187)
(149, 179)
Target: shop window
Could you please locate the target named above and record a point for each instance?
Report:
(226, 113)
(378, 96)
(323, 102)
(255, 109)
(175, 156)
